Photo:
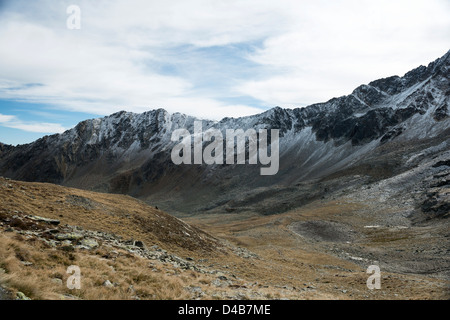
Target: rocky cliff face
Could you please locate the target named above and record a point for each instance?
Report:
(130, 153)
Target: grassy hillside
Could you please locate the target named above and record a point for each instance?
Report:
(127, 249)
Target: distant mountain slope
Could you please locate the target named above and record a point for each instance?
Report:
(130, 153)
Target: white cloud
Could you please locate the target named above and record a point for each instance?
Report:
(338, 46)
(196, 22)
(311, 51)
(5, 118)
(43, 127)
(78, 74)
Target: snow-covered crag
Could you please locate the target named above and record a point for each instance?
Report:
(130, 153)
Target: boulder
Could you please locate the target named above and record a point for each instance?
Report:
(89, 243)
(69, 236)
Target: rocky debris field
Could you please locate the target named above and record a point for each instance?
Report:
(402, 221)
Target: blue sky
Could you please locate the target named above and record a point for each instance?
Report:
(207, 58)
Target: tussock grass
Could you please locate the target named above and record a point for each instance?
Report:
(131, 276)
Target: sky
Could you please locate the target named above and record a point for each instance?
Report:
(206, 58)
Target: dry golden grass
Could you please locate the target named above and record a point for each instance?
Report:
(287, 266)
(130, 275)
(118, 214)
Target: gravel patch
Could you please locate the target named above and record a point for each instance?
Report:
(323, 231)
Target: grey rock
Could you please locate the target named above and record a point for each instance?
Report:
(69, 236)
(21, 296)
(89, 243)
(57, 281)
(42, 219)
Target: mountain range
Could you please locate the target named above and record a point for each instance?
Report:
(380, 130)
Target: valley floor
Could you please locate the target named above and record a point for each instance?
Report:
(316, 250)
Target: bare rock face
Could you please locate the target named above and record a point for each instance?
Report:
(437, 202)
(442, 112)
